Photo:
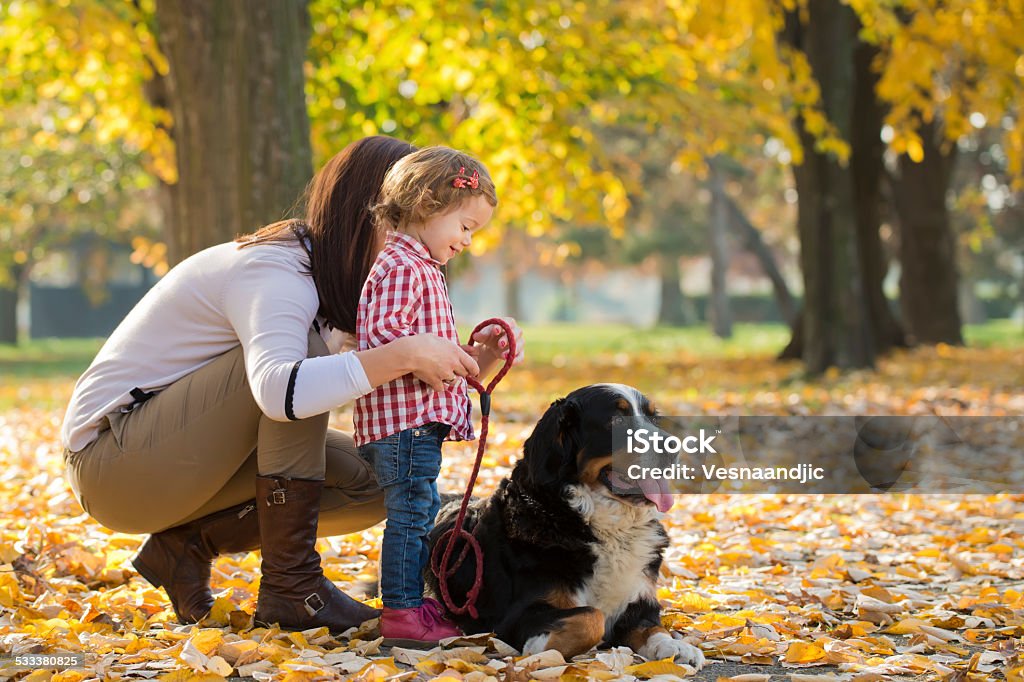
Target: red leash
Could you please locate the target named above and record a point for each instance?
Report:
(438, 560)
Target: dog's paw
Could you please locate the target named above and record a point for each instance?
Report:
(663, 645)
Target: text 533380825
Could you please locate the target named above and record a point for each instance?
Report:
(41, 661)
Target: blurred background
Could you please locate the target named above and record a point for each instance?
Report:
(822, 180)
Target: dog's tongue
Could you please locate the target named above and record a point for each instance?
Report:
(657, 492)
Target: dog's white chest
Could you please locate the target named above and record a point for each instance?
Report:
(623, 553)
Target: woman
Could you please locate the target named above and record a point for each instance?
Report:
(220, 380)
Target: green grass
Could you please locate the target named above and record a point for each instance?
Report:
(545, 342)
(995, 333)
(67, 358)
(39, 374)
(46, 358)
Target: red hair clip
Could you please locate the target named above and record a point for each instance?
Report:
(462, 182)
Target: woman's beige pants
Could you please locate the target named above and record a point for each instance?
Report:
(196, 448)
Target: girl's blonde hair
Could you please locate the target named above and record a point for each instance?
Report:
(428, 182)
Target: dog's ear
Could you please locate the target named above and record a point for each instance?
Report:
(550, 451)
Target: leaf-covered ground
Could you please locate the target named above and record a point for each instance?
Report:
(852, 587)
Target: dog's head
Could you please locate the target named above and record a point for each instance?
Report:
(572, 446)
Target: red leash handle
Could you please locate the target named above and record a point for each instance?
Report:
(439, 560)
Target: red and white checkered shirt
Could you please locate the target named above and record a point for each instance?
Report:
(405, 294)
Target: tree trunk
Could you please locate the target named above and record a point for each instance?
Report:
(241, 131)
(567, 308)
(12, 301)
(8, 316)
(972, 310)
(868, 169)
(1020, 292)
(512, 258)
(750, 237)
(719, 313)
(513, 294)
(24, 304)
(928, 280)
(836, 325)
(794, 350)
(670, 305)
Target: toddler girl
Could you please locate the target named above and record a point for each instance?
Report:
(431, 202)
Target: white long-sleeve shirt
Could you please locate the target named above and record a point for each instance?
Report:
(259, 296)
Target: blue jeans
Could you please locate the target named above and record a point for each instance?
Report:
(407, 465)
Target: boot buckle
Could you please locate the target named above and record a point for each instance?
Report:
(313, 603)
(277, 496)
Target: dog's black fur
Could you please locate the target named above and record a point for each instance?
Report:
(568, 564)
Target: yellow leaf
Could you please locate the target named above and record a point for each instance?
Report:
(239, 620)
(69, 676)
(39, 676)
(233, 652)
(448, 676)
(219, 614)
(804, 652)
(915, 151)
(879, 593)
(691, 602)
(653, 668)
(207, 641)
(378, 670)
(302, 676)
(139, 621)
(189, 676)
(430, 667)
(907, 626)
(582, 673)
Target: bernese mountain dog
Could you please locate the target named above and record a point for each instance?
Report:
(569, 564)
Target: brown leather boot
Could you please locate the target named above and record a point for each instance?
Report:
(294, 593)
(178, 559)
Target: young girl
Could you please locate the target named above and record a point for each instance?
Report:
(432, 201)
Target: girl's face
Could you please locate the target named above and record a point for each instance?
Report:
(446, 234)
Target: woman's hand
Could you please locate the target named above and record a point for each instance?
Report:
(433, 360)
(437, 362)
(494, 345)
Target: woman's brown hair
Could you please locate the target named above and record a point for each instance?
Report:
(343, 238)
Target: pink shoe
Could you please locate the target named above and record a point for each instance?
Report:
(423, 625)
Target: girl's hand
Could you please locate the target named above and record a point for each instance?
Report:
(494, 346)
(473, 352)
